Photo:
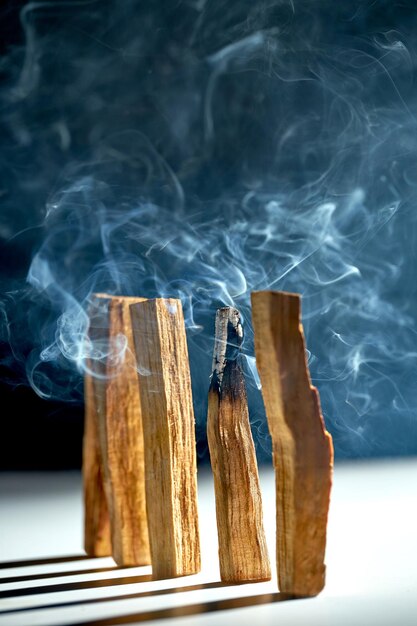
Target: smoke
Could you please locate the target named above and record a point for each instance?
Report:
(201, 151)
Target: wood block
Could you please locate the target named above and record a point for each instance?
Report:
(97, 541)
(168, 426)
(302, 449)
(243, 551)
(119, 428)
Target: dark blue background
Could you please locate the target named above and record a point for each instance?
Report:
(229, 119)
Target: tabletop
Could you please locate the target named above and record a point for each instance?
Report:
(45, 579)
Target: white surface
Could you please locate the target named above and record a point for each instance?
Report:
(371, 560)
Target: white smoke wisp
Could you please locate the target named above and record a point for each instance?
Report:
(246, 148)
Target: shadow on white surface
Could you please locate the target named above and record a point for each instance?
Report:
(371, 565)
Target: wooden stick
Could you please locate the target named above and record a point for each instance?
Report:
(302, 449)
(119, 428)
(243, 551)
(168, 425)
(97, 540)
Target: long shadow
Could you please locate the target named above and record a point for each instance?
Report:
(190, 609)
(21, 579)
(126, 596)
(45, 561)
(87, 584)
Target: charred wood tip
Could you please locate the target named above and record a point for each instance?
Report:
(227, 343)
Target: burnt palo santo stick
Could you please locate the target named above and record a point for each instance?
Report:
(118, 424)
(243, 551)
(168, 427)
(302, 448)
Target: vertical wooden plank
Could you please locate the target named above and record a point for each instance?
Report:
(302, 449)
(168, 425)
(97, 540)
(119, 429)
(243, 551)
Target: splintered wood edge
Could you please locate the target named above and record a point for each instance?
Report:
(295, 332)
(302, 449)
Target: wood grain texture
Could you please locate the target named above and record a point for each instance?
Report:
(302, 449)
(119, 427)
(168, 424)
(97, 541)
(243, 551)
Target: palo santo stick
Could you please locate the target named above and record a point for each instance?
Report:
(243, 551)
(168, 426)
(97, 540)
(302, 449)
(119, 427)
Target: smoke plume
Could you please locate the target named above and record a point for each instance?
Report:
(202, 150)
